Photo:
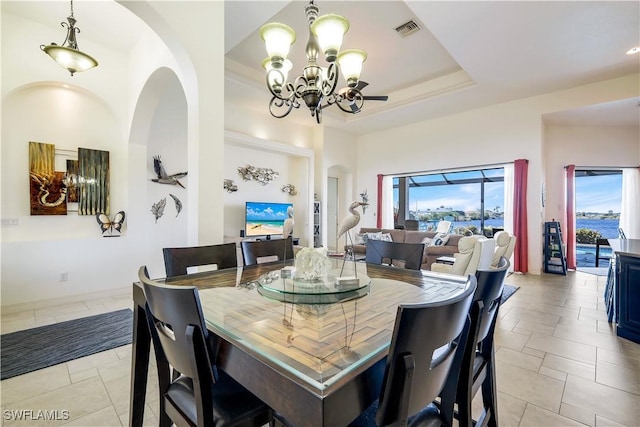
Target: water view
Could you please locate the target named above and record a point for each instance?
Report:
(585, 252)
(463, 197)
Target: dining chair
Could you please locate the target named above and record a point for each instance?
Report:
(178, 260)
(259, 251)
(423, 346)
(410, 254)
(201, 395)
(474, 365)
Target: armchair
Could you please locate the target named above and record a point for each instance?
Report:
(474, 252)
(505, 243)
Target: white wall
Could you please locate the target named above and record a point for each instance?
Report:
(597, 146)
(95, 110)
(40, 248)
(252, 191)
(261, 125)
(340, 159)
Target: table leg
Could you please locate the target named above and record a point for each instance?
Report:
(141, 347)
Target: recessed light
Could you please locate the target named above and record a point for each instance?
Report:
(633, 50)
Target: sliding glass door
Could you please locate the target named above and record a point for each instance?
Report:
(473, 200)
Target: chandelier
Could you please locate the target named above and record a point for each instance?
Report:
(316, 86)
(68, 55)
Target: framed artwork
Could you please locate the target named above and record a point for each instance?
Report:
(81, 183)
(47, 188)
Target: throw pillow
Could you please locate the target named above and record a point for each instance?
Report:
(360, 239)
(427, 241)
(386, 237)
(440, 239)
(374, 236)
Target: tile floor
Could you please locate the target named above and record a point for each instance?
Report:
(559, 363)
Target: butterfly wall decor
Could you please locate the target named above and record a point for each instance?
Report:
(110, 224)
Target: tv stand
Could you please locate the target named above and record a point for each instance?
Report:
(229, 239)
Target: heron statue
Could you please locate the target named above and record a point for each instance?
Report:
(287, 230)
(349, 222)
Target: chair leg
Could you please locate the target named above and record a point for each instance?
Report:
(490, 394)
(465, 418)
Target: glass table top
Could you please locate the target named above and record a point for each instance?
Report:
(318, 343)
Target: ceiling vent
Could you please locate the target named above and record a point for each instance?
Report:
(407, 28)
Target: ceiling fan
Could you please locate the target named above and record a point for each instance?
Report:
(353, 99)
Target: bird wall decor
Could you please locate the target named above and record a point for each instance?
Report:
(163, 178)
(290, 189)
(349, 222)
(229, 186)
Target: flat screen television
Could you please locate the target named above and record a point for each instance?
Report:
(264, 218)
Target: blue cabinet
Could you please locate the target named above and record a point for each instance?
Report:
(622, 296)
(628, 296)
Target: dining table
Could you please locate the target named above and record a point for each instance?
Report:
(313, 350)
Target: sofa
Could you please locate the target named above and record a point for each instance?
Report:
(431, 253)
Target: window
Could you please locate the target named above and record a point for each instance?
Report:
(472, 199)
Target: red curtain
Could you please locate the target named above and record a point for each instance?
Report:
(571, 217)
(379, 202)
(520, 253)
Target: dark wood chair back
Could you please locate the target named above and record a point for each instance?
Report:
(410, 253)
(177, 260)
(253, 250)
(199, 394)
(422, 351)
(474, 367)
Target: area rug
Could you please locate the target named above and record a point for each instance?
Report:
(44, 346)
(507, 292)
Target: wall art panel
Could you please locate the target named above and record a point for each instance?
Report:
(47, 189)
(72, 181)
(93, 182)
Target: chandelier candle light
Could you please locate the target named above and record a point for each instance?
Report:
(316, 84)
(68, 55)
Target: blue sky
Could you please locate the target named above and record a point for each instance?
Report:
(593, 194)
(465, 197)
(599, 193)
